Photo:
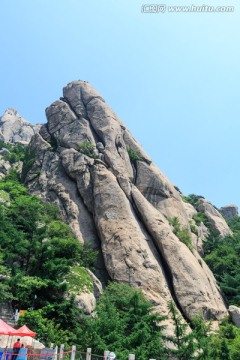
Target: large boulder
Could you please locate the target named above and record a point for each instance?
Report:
(234, 312)
(215, 218)
(87, 294)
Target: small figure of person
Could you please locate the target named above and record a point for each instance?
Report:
(22, 355)
(16, 348)
(111, 356)
(16, 315)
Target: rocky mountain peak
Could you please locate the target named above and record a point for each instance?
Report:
(16, 130)
(107, 188)
(229, 211)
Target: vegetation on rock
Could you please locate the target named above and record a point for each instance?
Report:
(16, 152)
(28, 161)
(87, 148)
(223, 257)
(133, 155)
(181, 232)
(78, 280)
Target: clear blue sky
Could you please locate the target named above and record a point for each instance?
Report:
(173, 78)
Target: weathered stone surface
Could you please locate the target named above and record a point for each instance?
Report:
(5, 167)
(79, 94)
(109, 129)
(214, 217)
(85, 298)
(15, 129)
(121, 205)
(234, 312)
(189, 209)
(155, 187)
(129, 253)
(192, 287)
(229, 211)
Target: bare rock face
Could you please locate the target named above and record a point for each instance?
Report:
(5, 167)
(234, 312)
(214, 217)
(229, 211)
(16, 130)
(111, 194)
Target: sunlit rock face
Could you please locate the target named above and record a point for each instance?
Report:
(16, 130)
(109, 191)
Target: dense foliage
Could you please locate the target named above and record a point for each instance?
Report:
(37, 249)
(223, 257)
(15, 152)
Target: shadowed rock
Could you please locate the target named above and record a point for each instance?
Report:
(229, 211)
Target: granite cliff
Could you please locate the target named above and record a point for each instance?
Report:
(107, 188)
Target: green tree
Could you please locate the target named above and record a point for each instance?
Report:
(37, 247)
(183, 340)
(124, 323)
(47, 330)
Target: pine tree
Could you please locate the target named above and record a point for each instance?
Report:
(184, 341)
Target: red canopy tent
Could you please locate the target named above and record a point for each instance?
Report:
(23, 331)
(5, 329)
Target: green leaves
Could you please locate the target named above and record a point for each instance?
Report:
(189, 344)
(124, 322)
(16, 152)
(47, 330)
(28, 161)
(181, 232)
(87, 148)
(223, 257)
(37, 247)
(133, 155)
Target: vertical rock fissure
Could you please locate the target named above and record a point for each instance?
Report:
(163, 262)
(95, 135)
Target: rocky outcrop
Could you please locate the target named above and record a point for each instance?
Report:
(214, 217)
(5, 167)
(229, 211)
(91, 288)
(16, 130)
(111, 194)
(234, 312)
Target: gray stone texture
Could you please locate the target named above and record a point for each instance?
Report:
(229, 211)
(16, 130)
